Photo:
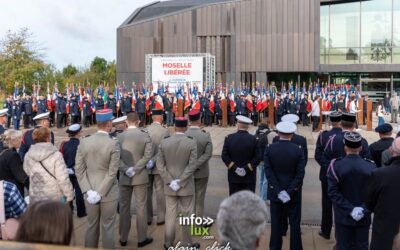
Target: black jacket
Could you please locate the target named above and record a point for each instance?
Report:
(377, 148)
(11, 169)
(300, 141)
(383, 199)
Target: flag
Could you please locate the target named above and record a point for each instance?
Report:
(232, 103)
(212, 104)
(249, 103)
(158, 102)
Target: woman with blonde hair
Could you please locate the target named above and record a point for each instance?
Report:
(47, 171)
(10, 163)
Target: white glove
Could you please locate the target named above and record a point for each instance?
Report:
(150, 164)
(174, 185)
(309, 114)
(130, 172)
(240, 171)
(357, 213)
(284, 196)
(26, 200)
(70, 171)
(93, 197)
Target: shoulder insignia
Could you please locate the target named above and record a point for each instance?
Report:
(368, 160)
(165, 137)
(190, 137)
(144, 131)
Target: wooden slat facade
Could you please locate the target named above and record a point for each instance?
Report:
(252, 37)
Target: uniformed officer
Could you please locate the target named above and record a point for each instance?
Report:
(74, 110)
(206, 111)
(120, 125)
(41, 120)
(285, 180)
(385, 141)
(126, 103)
(41, 105)
(87, 112)
(8, 105)
(240, 155)
(204, 153)
(280, 109)
(96, 166)
(27, 109)
(61, 111)
(112, 104)
(335, 147)
(16, 112)
(136, 151)
(157, 132)
(348, 178)
(292, 107)
(3, 121)
(242, 106)
(99, 103)
(68, 150)
(141, 108)
(176, 161)
(324, 138)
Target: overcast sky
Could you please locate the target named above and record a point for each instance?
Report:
(72, 31)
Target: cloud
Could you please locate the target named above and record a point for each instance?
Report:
(72, 31)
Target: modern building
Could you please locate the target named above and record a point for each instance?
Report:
(265, 40)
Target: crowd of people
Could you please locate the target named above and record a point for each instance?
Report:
(102, 172)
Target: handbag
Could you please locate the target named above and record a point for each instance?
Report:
(9, 227)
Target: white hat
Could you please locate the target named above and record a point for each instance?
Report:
(286, 127)
(3, 112)
(243, 119)
(41, 116)
(74, 128)
(290, 118)
(119, 120)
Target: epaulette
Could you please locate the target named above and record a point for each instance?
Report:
(165, 137)
(144, 131)
(190, 137)
(369, 160)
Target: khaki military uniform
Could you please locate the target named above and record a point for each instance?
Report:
(204, 153)
(177, 157)
(96, 166)
(157, 132)
(136, 151)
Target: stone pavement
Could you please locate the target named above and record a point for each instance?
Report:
(218, 190)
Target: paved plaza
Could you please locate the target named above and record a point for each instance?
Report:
(218, 190)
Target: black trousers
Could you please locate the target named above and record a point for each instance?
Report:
(232, 120)
(327, 218)
(236, 187)
(349, 237)
(27, 121)
(278, 118)
(278, 210)
(74, 119)
(304, 119)
(60, 120)
(86, 120)
(142, 118)
(315, 122)
(207, 119)
(52, 118)
(80, 203)
(8, 121)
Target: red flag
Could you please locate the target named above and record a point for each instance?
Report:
(212, 104)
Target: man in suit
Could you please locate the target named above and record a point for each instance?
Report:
(136, 151)
(204, 153)
(96, 166)
(383, 200)
(240, 155)
(324, 138)
(284, 168)
(74, 110)
(176, 161)
(348, 178)
(157, 132)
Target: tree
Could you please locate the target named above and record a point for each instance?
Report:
(99, 67)
(20, 60)
(69, 71)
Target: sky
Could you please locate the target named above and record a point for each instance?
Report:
(70, 31)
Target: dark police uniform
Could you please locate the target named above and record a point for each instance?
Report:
(141, 109)
(303, 111)
(325, 138)
(242, 107)
(126, 105)
(61, 107)
(112, 104)
(280, 110)
(240, 150)
(348, 178)
(74, 111)
(16, 113)
(285, 175)
(206, 111)
(292, 107)
(42, 106)
(87, 112)
(27, 109)
(68, 149)
(27, 141)
(384, 143)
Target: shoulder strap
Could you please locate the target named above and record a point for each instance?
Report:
(47, 170)
(62, 148)
(2, 209)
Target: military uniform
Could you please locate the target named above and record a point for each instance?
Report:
(28, 110)
(61, 111)
(27, 141)
(126, 105)
(240, 151)
(68, 150)
(96, 166)
(112, 104)
(204, 153)
(136, 151)
(347, 179)
(280, 110)
(87, 112)
(335, 148)
(176, 159)
(286, 176)
(42, 106)
(16, 114)
(74, 111)
(206, 111)
(141, 110)
(157, 132)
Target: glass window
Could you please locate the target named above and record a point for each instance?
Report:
(396, 23)
(376, 55)
(376, 17)
(324, 27)
(345, 25)
(396, 55)
(344, 56)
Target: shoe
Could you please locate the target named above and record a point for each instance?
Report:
(145, 242)
(123, 243)
(195, 246)
(149, 223)
(160, 223)
(327, 237)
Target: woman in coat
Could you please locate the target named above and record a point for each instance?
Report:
(10, 162)
(47, 171)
